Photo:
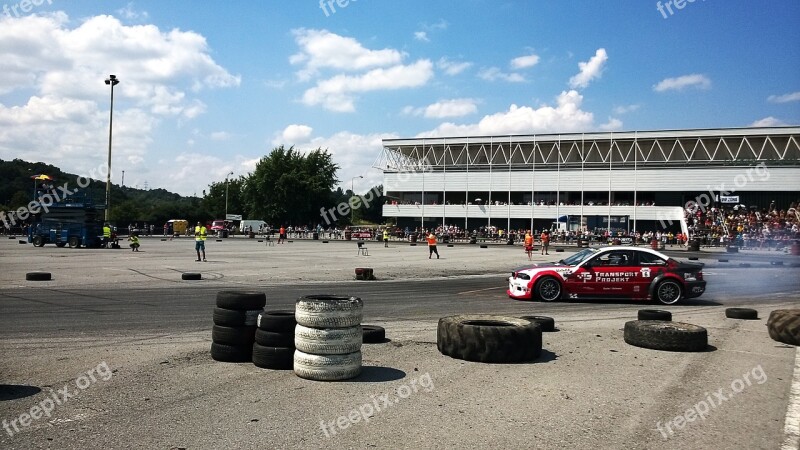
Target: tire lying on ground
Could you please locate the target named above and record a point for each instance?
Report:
(275, 358)
(373, 334)
(235, 318)
(38, 276)
(670, 336)
(241, 300)
(328, 341)
(228, 353)
(741, 313)
(327, 367)
(654, 314)
(489, 339)
(191, 276)
(277, 321)
(328, 311)
(547, 324)
(784, 326)
(235, 336)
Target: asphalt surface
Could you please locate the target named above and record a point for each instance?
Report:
(131, 313)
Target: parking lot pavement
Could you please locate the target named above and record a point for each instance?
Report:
(160, 388)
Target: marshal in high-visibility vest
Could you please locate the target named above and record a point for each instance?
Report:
(200, 234)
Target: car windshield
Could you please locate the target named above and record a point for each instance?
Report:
(577, 258)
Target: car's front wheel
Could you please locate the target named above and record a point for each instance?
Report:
(548, 289)
(668, 292)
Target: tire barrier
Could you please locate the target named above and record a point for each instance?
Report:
(484, 246)
(328, 337)
(547, 324)
(235, 322)
(669, 336)
(365, 273)
(38, 276)
(489, 339)
(22, 242)
(784, 326)
(274, 340)
(655, 314)
(373, 334)
(194, 276)
(741, 313)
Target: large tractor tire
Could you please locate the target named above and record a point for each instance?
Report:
(489, 339)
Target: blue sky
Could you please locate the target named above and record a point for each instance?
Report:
(207, 88)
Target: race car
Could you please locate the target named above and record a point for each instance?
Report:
(631, 273)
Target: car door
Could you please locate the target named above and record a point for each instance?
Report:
(648, 266)
(611, 274)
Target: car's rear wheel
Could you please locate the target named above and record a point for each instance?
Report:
(668, 292)
(38, 241)
(548, 289)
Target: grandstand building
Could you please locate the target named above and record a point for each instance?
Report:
(634, 181)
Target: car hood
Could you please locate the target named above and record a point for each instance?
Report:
(542, 267)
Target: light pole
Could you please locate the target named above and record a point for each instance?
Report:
(226, 194)
(352, 191)
(110, 81)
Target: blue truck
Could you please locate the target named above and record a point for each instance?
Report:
(74, 221)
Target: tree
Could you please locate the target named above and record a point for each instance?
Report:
(290, 188)
(214, 200)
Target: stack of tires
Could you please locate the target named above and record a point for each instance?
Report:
(274, 340)
(235, 320)
(328, 337)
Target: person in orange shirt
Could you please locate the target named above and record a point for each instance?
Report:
(528, 244)
(281, 235)
(545, 242)
(432, 246)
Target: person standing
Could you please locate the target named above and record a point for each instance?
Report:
(386, 237)
(528, 244)
(106, 234)
(432, 246)
(281, 235)
(545, 242)
(200, 233)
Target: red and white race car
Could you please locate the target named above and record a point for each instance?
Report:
(610, 273)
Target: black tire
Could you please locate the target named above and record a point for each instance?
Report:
(241, 300)
(784, 326)
(559, 250)
(275, 358)
(655, 314)
(74, 242)
(328, 311)
(193, 276)
(273, 339)
(693, 258)
(61, 244)
(723, 260)
(235, 318)
(38, 241)
(669, 336)
(484, 246)
(278, 321)
(235, 336)
(489, 339)
(547, 324)
(548, 289)
(741, 313)
(38, 276)
(668, 292)
(21, 241)
(373, 334)
(229, 353)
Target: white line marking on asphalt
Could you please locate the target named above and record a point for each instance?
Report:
(481, 290)
(792, 427)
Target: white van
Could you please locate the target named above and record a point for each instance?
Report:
(256, 224)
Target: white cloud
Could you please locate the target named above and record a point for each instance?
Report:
(457, 107)
(321, 49)
(624, 109)
(220, 136)
(129, 13)
(523, 62)
(51, 80)
(696, 80)
(785, 98)
(338, 93)
(293, 135)
(494, 74)
(452, 67)
(565, 116)
(769, 122)
(590, 70)
(421, 36)
(613, 124)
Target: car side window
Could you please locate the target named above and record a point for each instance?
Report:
(614, 258)
(648, 259)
